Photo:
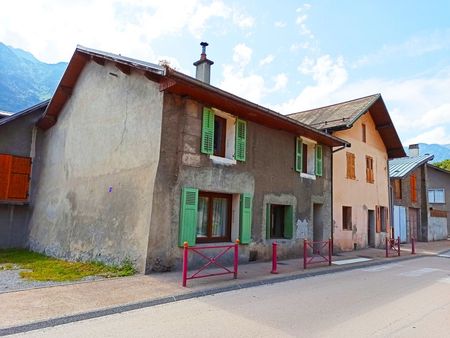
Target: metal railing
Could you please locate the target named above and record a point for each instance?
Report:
(392, 245)
(321, 252)
(210, 261)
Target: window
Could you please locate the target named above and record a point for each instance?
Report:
(279, 221)
(436, 195)
(363, 133)
(351, 166)
(347, 218)
(223, 136)
(398, 189)
(14, 177)
(413, 184)
(382, 221)
(206, 217)
(369, 170)
(214, 217)
(308, 158)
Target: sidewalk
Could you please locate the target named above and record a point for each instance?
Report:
(84, 300)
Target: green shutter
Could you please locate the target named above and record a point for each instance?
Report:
(208, 131)
(241, 140)
(188, 216)
(319, 162)
(288, 222)
(245, 228)
(298, 155)
(268, 223)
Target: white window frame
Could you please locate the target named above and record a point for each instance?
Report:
(311, 159)
(432, 196)
(230, 140)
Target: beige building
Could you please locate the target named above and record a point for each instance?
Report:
(361, 202)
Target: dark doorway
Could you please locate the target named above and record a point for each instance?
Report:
(318, 234)
(371, 228)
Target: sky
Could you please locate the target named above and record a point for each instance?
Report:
(285, 55)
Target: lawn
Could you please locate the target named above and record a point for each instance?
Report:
(43, 268)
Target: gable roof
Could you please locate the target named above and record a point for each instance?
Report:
(429, 165)
(400, 167)
(40, 106)
(173, 81)
(341, 116)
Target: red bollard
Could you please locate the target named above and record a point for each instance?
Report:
(185, 262)
(330, 248)
(274, 258)
(305, 253)
(398, 243)
(236, 258)
(387, 248)
(413, 246)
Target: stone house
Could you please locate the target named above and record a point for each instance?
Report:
(409, 196)
(360, 173)
(18, 134)
(438, 198)
(135, 158)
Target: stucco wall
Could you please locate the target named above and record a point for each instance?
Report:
(358, 193)
(97, 169)
(268, 175)
(16, 138)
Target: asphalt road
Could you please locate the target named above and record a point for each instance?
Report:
(405, 299)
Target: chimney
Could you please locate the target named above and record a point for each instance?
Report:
(203, 71)
(413, 150)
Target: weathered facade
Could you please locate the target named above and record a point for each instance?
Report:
(18, 135)
(361, 204)
(409, 197)
(438, 193)
(124, 149)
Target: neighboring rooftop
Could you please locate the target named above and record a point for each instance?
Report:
(42, 105)
(400, 167)
(341, 116)
(4, 114)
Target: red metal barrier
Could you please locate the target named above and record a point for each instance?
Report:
(392, 244)
(413, 246)
(317, 252)
(274, 258)
(211, 261)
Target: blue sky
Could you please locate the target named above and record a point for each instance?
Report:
(288, 55)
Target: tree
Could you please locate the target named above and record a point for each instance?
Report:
(445, 164)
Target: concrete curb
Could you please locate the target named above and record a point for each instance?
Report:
(170, 299)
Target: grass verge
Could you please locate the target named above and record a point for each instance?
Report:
(44, 268)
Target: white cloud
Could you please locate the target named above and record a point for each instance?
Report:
(328, 75)
(301, 19)
(438, 135)
(281, 81)
(280, 24)
(267, 60)
(242, 54)
(51, 29)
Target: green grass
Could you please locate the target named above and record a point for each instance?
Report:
(44, 268)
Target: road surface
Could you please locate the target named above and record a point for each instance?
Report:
(404, 299)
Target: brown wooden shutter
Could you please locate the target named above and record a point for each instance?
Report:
(14, 177)
(351, 166)
(378, 218)
(388, 224)
(413, 188)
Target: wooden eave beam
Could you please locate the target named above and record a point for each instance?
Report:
(66, 90)
(123, 68)
(384, 126)
(98, 60)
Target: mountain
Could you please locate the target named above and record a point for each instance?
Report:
(24, 80)
(440, 151)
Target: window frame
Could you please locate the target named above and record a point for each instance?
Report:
(347, 218)
(434, 195)
(220, 150)
(398, 195)
(209, 238)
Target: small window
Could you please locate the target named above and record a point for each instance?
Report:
(383, 218)
(14, 177)
(398, 189)
(436, 196)
(413, 184)
(279, 221)
(305, 159)
(214, 217)
(351, 166)
(220, 132)
(364, 133)
(347, 218)
(308, 158)
(369, 170)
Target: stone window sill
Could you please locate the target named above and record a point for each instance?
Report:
(308, 176)
(222, 160)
